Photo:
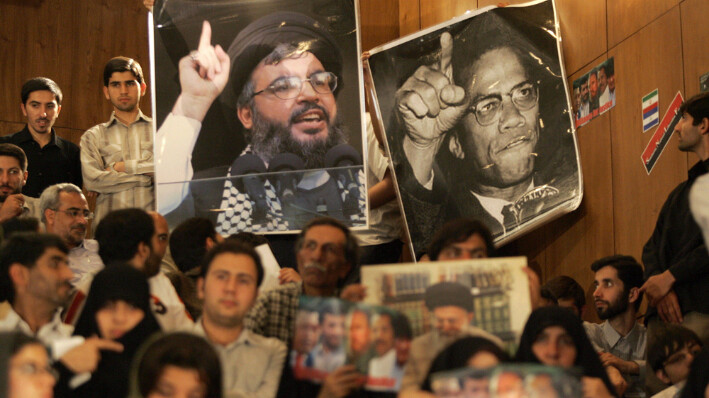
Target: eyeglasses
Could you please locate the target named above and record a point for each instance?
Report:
(31, 369)
(74, 213)
(291, 86)
(524, 97)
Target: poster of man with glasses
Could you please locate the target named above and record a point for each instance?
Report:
(259, 113)
(478, 122)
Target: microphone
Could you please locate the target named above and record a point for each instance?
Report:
(343, 155)
(244, 167)
(285, 179)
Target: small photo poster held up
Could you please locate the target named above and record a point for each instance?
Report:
(330, 333)
(258, 108)
(490, 296)
(594, 92)
(522, 380)
(478, 122)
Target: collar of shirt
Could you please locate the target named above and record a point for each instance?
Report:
(243, 339)
(699, 169)
(47, 333)
(139, 117)
(494, 205)
(26, 136)
(612, 337)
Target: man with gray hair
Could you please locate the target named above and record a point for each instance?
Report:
(65, 212)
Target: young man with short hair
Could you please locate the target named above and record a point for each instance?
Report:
(117, 156)
(52, 159)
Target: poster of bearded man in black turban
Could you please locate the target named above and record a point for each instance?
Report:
(258, 107)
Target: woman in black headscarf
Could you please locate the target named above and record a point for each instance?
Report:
(698, 379)
(555, 336)
(471, 351)
(117, 308)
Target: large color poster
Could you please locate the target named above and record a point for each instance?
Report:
(258, 107)
(479, 122)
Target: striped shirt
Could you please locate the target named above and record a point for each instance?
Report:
(107, 143)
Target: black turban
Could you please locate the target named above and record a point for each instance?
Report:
(446, 294)
(262, 36)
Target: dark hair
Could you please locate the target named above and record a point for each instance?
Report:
(332, 307)
(697, 107)
(122, 64)
(583, 80)
(14, 151)
(19, 224)
(24, 248)
(232, 247)
(41, 84)
(402, 327)
(667, 340)
(185, 351)
(188, 242)
(351, 243)
(120, 233)
(698, 376)
(458, 354)
(629, 271)
(459, 230)
(249, 238)
(548, 295)
(609, 65)
(566, 287)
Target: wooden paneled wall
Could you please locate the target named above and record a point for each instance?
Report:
(656, 44)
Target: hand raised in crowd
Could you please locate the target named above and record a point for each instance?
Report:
(203, 75)
(12, 207)
(149, 4)
(429, 104)
(341, 382)
(657, 286)
(85, 357)
(287, 275)
(354, 293)
(668, 308)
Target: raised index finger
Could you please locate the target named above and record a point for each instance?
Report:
(205, 39)
(446, 54)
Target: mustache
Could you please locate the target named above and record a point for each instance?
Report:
(307, 107)
(315, 265)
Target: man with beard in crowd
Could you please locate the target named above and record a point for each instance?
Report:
(284, 97)
(620, 340)
(13, 176)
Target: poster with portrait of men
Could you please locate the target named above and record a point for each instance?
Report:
(445, 300)
(258, 113)
(519, 380)
(331, 333)
(479, 123)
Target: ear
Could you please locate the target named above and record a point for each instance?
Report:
(19, 275)
(142, 254)
(200, 288)
(24, 178)
(59, 109)
(471, 316)
(24, 110)
(105, 93)
(455, 148)
(209, 243)
(245, 116)
(49, 215)
(633, 295)
(704, 126)
(663, 376)
(143, 88)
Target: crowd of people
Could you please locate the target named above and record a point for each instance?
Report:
(141, 311)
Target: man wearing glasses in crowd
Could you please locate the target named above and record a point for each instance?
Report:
(280, 76)
(471, 129)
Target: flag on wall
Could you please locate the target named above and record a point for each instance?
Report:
(651, 110)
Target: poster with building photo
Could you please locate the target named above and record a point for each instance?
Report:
(491, 295)
(594, 92)
(330, 333)
(520, 380)
(258, 108)
(479, 122)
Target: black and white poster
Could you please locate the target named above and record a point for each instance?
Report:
(479, 122)
(258, 109)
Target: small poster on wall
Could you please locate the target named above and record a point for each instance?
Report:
(594, 92)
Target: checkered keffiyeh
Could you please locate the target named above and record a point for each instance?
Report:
(238, 207)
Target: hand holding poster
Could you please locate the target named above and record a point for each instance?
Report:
(259, 108)
(330, 333)
(478, 122)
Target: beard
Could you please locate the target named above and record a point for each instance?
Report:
(614, 308)
(269, 138)
(3, 197)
